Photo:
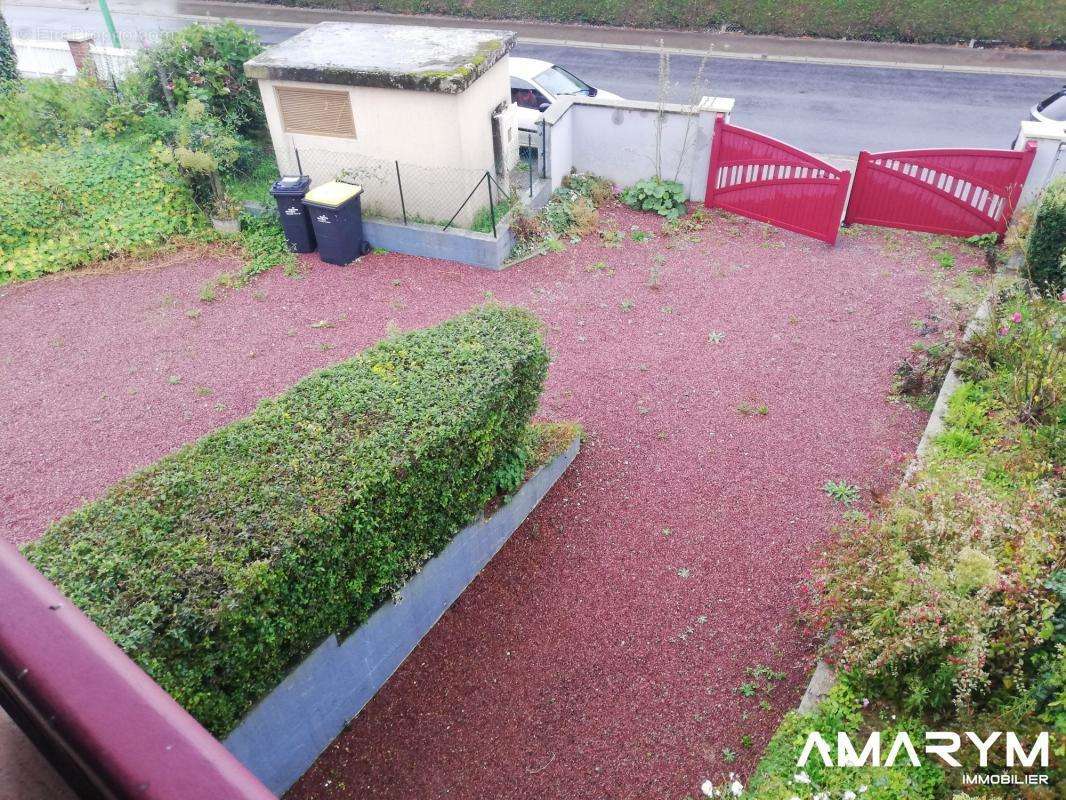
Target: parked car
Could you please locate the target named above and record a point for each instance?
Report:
(536, 84)
(1053, 109)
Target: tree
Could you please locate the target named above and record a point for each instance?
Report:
(9, 70)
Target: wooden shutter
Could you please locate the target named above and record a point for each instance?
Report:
(322, 112)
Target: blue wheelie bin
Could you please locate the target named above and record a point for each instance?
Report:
(289, 193)
(336, 214)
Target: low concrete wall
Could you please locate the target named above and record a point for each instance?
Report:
(1049, 162)
(454, 244)
(283, 735)
(618, 139)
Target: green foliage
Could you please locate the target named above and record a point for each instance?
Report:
(265, 246)
(70, 207)
(204, 63)
(1021, 356)
(223, 564)
(571, 211)
(45, 111)
(942, 601)
(654, 194)
(9, 71)
(1045, 250)
(1021, 22)
(842, 492)
(778, 778)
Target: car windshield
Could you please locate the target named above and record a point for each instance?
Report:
(558, 81)
(1054, 107)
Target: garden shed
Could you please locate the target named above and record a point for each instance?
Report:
(416, 115)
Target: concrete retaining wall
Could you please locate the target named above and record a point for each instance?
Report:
(617, 139)
(454, 244)
(283, 735)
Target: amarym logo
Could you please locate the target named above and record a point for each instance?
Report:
(942, 744)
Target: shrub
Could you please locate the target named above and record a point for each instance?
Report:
(654, 194)
(1046, 246)
(775, 777)
(47, 111)
(204, 63)
(1021, 355)
(224, 563)
(67, 208)
(9, 70)
(942, 599)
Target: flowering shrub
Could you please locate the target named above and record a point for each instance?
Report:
(943, 599)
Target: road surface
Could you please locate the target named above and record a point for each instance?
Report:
(830, 109)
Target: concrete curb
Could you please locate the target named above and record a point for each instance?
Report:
(281, 737)
(824, 677)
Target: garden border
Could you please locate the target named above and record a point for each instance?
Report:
(824, 677)
(284, 734)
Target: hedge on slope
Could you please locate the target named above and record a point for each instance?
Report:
(223, 564)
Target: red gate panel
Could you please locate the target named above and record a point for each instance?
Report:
(956, 192)
(764, 179)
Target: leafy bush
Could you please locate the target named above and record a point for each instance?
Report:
(942, 599)
(1045, 249)
(66, 208)
(47, 111)
(1021, 356)
(9, 71)
(223, 564)
(1021, 22)
(265, 246)
(778, 777)
(204, 63)
(654, 194)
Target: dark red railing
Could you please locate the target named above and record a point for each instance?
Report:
(107, 727)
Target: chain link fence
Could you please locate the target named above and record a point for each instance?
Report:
(440, 195)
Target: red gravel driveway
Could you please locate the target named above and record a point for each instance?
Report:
(600, 654)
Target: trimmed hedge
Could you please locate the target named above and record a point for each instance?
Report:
(222, 565)
(1045, 250)
(1025, 23)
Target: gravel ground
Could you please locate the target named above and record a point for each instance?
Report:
(600, 653)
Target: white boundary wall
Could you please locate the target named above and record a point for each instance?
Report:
(1050, 160)
(616, 139)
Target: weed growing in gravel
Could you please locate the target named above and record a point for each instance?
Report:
(639, 236)
(626, 305)
(174, 380)
(655, 279)
(208, 293)
(715, 337)
(753, 408)
(728, 756)
(193, 313)
(612, 237)
(747, 689)
(841, 492)
(946, 261)
(204, 391)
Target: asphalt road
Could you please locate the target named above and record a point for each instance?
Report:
(825, 109)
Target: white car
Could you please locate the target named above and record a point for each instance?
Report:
(536, 84)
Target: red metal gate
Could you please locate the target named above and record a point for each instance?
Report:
(764, 179)
(956, 192)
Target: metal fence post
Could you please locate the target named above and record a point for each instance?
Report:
(543, 149)
(492, 211)
(529, 160)
(399, 183)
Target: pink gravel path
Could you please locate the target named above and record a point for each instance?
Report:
(599, 654)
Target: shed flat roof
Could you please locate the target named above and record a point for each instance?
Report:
(420, 58)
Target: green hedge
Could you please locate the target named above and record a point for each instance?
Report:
(1018, 22)
(66, 207)
(223, 564)
(1045, 250)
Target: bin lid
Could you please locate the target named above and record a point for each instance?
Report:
(333, 194)
(290, 184)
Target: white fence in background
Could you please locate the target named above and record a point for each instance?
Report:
(41, 58)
